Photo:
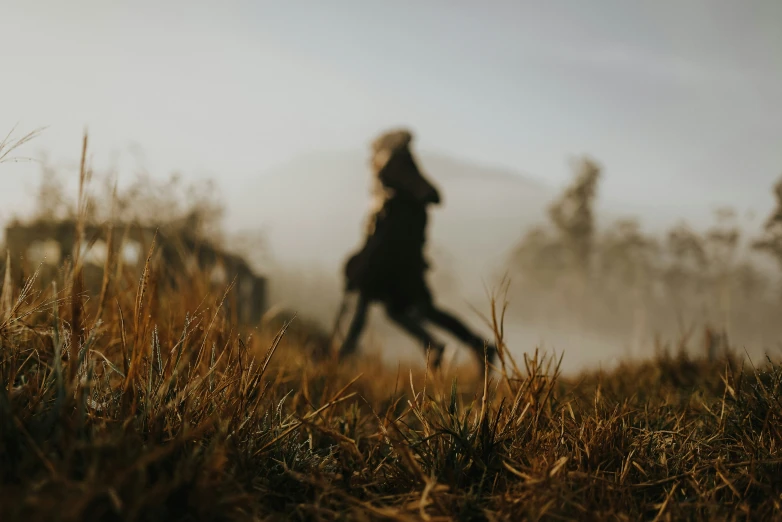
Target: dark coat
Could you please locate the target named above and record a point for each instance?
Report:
(391, 266)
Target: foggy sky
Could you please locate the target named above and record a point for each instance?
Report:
(679, 100)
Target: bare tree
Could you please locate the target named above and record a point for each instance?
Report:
(574, 217)
(771, 240)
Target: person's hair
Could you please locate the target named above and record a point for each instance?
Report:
(386, 144)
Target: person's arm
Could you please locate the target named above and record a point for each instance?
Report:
(362, 261)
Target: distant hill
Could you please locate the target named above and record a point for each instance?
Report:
(315, 206)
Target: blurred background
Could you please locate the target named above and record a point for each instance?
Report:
(616, 162)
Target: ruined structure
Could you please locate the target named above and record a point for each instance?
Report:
(47, 245)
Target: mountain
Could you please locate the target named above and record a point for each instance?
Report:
(314, 208)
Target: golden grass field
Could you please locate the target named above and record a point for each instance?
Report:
(151, 408)
(147, 402)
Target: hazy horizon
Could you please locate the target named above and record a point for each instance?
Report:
(679, 102)
(666, 96)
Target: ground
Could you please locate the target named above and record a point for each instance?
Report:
(151, 405)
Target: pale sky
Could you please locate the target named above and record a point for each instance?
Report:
(680, 100)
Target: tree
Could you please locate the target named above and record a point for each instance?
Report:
(721, 244)
(554, 262)
(573, 215)
(627, 256)
(51, 202)
(771, 240)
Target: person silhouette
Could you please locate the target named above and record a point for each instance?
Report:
(391, 268)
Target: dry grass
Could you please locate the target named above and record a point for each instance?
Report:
(162, 411)
(8, 144)
(148, 404)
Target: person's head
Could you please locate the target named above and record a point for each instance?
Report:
(396, 169)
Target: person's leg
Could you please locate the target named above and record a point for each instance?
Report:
(413, 326)
(356, 327)
(454, 325)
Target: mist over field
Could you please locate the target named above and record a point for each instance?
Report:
(182, 182)
(277, 106)
(308, 216)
